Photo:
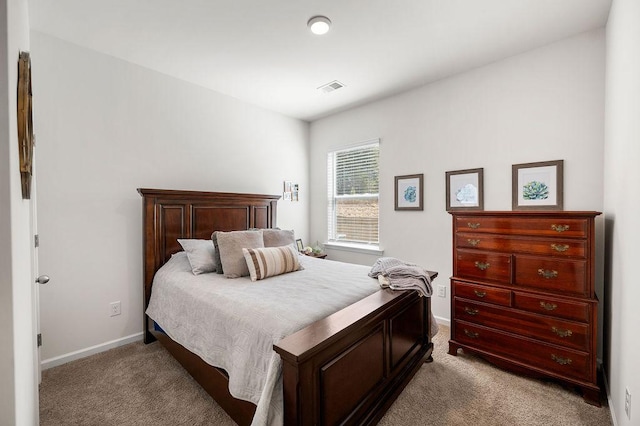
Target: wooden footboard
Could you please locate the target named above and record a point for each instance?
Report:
(349, 367)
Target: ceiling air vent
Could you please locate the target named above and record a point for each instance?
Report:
(330, 87)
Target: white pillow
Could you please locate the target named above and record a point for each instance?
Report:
(201, 255)
(271, 261)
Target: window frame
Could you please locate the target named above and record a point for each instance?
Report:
(332, 240)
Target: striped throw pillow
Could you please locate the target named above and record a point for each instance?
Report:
(270, 261)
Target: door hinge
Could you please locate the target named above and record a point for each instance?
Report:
(36, 240)
(39, 339)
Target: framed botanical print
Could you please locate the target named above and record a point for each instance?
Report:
(465, 189)
(537, 186)
(409, 192)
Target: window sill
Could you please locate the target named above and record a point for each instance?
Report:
(354, 248)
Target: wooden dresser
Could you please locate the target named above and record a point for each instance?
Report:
(522, 293)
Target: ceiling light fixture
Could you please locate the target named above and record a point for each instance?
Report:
(319, 25)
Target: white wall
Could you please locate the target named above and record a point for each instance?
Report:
(7, 397)
(106, 127)
(18, 387)
(546, 104)
(622, 204)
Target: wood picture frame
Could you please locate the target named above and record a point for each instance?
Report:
(287, 190)
(299, 245)
(465, 189)
(409, 192)
(26, 137)
(537, 186)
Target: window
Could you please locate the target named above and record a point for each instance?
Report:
(353, 176)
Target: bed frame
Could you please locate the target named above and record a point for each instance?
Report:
(347, 368)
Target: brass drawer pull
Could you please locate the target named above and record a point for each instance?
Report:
(559, 228)
(482, 265)
(560, 360)
(473, 242)
(561, 248)
(473, 225)
(480, 293)
(561, 332)
(471, 334)
(471, 311)
(548, 306)
(548, 274)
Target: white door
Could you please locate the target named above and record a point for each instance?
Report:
(37, 279)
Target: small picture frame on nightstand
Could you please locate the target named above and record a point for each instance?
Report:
(300, 245)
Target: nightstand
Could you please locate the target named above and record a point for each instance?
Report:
(317, 256)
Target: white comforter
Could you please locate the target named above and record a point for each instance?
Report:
(233, 323)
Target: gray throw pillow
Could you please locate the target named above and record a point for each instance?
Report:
(230, 245)
(218, 262)
(278, 237)
(201, 255)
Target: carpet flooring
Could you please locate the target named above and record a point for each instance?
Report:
(143, 385)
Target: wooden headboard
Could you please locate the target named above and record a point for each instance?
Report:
(169, 214)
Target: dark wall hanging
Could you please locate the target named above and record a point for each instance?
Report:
(25, 123)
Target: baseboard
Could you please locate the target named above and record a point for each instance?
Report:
(443, 321)
(606, 389)
(82, 353)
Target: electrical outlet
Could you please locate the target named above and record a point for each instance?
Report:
(627, 403)
(114, 308)
(442, 291)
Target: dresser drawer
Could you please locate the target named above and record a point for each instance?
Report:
(483, 266)
(548, 329)
(553, 227)
(537, 355)
(559, 276)
(482, 293)
(503, 243)
(563, 308)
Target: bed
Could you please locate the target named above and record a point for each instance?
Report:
(382, 339)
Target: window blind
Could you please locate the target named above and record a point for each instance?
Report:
(353, 188)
